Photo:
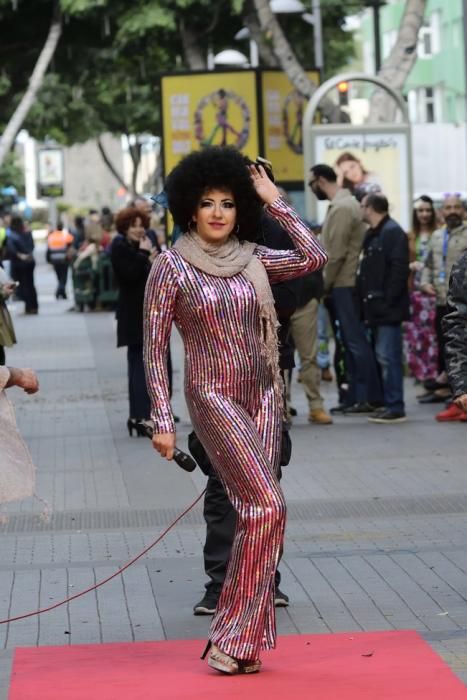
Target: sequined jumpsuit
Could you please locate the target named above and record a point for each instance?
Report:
(235, 412)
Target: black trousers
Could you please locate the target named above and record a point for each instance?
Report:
(27, 290)
(441, 312)
(61, 270)
(140, 403)
(2, 355)
(221, 519)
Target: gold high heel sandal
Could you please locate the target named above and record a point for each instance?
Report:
(224, 663)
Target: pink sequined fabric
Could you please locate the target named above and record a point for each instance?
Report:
(235, 413)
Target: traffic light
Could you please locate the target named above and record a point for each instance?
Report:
(343, 89)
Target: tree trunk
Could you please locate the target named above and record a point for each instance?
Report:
(35, 83)
(288, 61)
(250, 20)
(194, 56)
(109, 163)
(135, 153)
(396, 68)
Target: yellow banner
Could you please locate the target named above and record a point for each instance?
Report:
(208, 109)
(283, 109)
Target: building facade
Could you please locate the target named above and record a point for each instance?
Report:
(435, 91)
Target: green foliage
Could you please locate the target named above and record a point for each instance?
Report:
(105, 73)
(11, 175)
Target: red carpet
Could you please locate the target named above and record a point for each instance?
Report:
(351, 666)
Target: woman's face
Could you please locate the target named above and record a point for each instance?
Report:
(424, 213)
(136, 231)
(352, 171)
(215, 216)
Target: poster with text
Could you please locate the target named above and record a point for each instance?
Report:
(215, 108)
(50, 172)
(283, 108)
(369, 162)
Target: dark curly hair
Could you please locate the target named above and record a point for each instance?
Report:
(127, 217)
(220, 168)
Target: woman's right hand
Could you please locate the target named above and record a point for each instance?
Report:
(164, 443)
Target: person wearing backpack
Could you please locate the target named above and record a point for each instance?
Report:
(59, 243)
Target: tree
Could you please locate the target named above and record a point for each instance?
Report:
(288, 61)
(396, 68)
(8, 137)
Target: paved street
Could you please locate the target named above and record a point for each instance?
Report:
(377, 514)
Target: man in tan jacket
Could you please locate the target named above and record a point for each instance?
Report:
(342, 236)
(445, 248)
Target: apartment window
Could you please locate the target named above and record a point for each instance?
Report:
(425, 45)
(429, 99)
(429, 37)
(424, 105)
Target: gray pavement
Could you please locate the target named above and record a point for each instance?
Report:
(375, 536)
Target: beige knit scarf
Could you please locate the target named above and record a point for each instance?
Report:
(233, 258)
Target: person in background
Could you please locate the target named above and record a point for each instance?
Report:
(132, 255)
(382, 287)
(342, 236)
(59, 243)
(324, 358)
(7, 331)
(420, 343)
(218, 511)
(20, 246)
(444, 249)
(454, 325)
(78, 232)
(93, 230)
(107, 219)
(145, 206)
(304, 330)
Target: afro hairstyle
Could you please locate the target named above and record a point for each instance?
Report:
(220, 168)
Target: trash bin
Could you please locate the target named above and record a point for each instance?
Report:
(107, 287)
(84, 284)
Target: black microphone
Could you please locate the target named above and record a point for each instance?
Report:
(184, 461)
(181, 458)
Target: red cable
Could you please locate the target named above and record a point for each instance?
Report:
(109, 578)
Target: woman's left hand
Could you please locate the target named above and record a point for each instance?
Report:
(265, 188)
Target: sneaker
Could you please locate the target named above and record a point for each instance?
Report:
(362, 407)
(388, 416)
(451, 413)
(319, 416)
(340, 408)
(207, 605)
(281, 600)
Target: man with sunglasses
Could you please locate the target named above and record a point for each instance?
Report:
(342, 235)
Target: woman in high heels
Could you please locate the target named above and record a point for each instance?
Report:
(132, 255)
(214, 284)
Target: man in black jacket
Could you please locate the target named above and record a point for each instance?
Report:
(219, 513)
(382, 286)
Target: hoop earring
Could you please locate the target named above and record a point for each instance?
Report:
(192, 226)
(237, 229)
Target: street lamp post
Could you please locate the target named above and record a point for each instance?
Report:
(313, 18)
(376, 5)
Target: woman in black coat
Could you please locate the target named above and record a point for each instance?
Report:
(132, 254)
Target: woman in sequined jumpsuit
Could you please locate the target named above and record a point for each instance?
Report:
(232, 397)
